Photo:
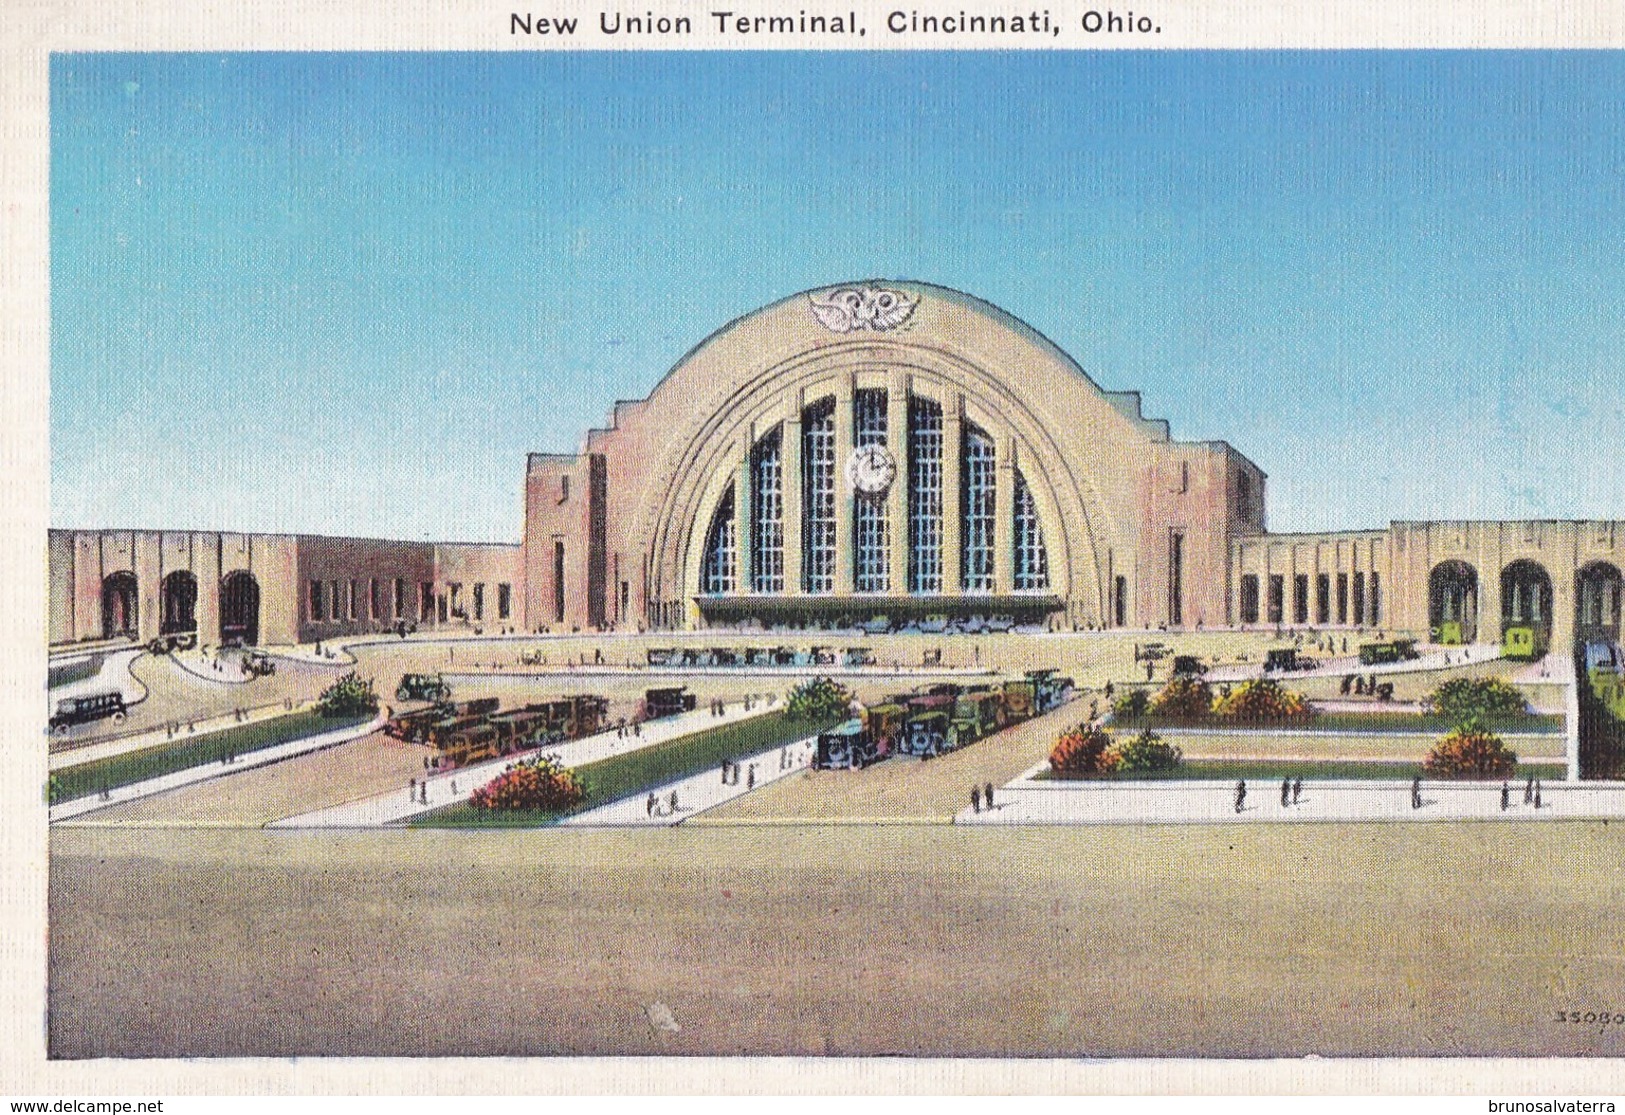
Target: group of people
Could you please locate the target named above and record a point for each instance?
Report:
(654, 807)
(623, 729)
(1531, 793)
(730, 773)
(981, 797)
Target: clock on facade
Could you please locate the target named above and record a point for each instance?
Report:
(871, 469)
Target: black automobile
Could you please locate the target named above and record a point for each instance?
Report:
(83, 710)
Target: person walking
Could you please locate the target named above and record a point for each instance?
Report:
(724, 772)
(1241, 794)
(750, 778)
(1529, 790)
(975, 798)
(1537, 793)
(1506, 795)
(673, 801)
(1286, 791)
(987, 796)
(1416, 792)
(1297, 790)
(649, 806)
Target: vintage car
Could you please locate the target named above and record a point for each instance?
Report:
(83, 710)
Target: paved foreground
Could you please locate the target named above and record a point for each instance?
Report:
(1195, 940)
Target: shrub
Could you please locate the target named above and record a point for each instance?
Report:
(1184, 698)
(1469, 751)
(1131, 705)
(819, 699)
(1145, 752)
(540, 783)
(349, 696)
(1262, 701)
(1462, 699)
(1086, 749)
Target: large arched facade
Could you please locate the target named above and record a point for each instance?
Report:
(882, 453)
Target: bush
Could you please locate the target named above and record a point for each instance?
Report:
(1184, 698)
(349, 696)
(1084, 750)
(1470, 751)
(1131, 705)
(541, 783)
(819, 699)
(1263, 701)
(1146, 752)
(1462, 699)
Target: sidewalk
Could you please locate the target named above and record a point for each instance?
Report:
(699, 792)
(209, 771)
(459, 785)
(1025, 802)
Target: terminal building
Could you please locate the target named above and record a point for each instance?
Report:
(878, 453)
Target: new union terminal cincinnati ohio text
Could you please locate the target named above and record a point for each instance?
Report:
(885, 454)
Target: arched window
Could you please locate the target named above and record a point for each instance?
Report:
(720, 573)
(976, 510)
(767, 515)
(924, 495)
(1032, 561)
(871, 532)
(818, 497)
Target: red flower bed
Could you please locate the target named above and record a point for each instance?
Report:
(531, 784)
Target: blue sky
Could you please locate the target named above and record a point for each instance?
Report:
(347, 293)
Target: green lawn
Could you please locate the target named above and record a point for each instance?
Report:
(638, 772)
(138, 766)
(1354, 723)
(1228, 770)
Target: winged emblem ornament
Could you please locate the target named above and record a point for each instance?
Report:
(852, 309)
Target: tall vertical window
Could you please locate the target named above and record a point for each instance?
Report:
(1032, 562)
(479, 600)
(504, 601)
(1176, 577)
(1249, 598)
(1300, 596)
(1120, 601)
(1323, 598)
(1359, 598)
(1342, 598)
(1376, 597)
(558, 580)
(317, 611)
(976, 510)
(871, 533)
(924, 495)
(400, 597)
(1275, 603)
(818, 497)
(426, 601)
(767, 515)
(720, 573)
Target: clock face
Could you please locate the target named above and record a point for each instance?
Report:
(871, 469)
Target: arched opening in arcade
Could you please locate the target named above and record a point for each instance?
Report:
(1526, 610)
(178, 603)
(119, 605)
(1597, 593)
(240, 609)
(1453, 603)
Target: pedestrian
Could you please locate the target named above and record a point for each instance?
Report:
(1416, 792)
(725, 772)
(750, 778)
(1529, 790)
(1286, 790)
(1241, 794)
(1297, 790)
(1506, 794)
(423, 791)
(454, 786)
(1537, 793)
(673, 801)
(649, 806)
(975, 798)
(987, 796)
(637, 728)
